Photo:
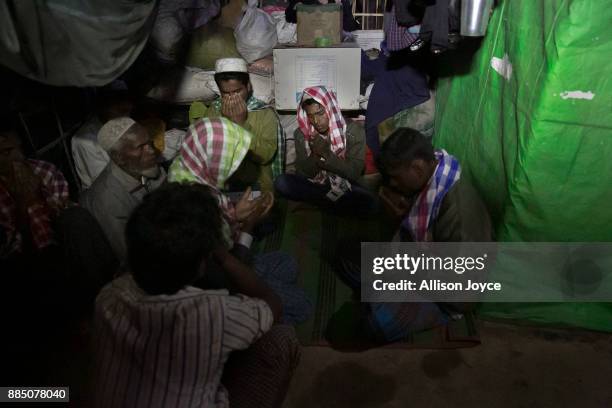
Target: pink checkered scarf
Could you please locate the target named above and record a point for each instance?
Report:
(337, 124)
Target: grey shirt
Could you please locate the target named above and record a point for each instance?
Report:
(112, 198)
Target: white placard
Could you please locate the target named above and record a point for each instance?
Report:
(315, 70)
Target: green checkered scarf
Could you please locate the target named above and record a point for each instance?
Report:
(212, 151)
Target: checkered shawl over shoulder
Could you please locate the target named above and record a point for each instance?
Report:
(427, 205)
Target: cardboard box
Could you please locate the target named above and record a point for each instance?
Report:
(315, 21)
(337, 67)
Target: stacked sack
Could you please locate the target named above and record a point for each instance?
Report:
(250, 34)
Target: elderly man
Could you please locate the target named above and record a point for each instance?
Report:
(190, 332)
(89, 158)
(132, 172)
(264, 162)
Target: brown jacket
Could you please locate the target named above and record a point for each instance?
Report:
(350, 168)
(463, 216)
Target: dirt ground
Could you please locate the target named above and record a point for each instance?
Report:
(513, 367)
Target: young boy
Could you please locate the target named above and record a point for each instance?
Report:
(162, 342)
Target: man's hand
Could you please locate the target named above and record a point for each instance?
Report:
(320, 147)
(245, 206)
(396, 204)
(234, 108)
(263, 206)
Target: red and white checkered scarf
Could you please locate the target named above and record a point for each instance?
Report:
(55, 193)
(337, 125)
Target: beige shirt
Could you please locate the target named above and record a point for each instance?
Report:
(169, 350)
(112, 198)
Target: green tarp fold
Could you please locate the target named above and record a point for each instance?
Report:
(531, 123)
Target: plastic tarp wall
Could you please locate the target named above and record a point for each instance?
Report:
(73, 42)
(531, 123)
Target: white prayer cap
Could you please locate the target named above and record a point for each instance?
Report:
(112, 131)
(230, 65)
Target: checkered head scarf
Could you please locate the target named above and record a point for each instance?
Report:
(337, 124)
(337, 136)
(212, 151)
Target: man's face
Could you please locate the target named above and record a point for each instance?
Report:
(234, 87)
(318, 118)
(139, 156)
(409, 178)
(10, 150)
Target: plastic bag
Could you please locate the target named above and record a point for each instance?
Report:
(285, 31)
(256, 34)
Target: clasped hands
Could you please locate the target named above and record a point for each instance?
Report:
(234, 108)
(320, 148)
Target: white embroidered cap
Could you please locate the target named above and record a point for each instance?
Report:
(230, 65)
(112, 131)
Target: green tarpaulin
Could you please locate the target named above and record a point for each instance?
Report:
(531, 122)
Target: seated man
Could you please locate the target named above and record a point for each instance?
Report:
(89, 157)
(212, 151)
(426, 190)
(161, 341)
(42, 232)
(132, 172)
(432, 202)
(264, 161)
(329, 157)
(32, 195)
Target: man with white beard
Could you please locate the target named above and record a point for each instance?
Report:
(132, 172)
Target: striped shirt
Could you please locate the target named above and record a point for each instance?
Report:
(169, 350)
